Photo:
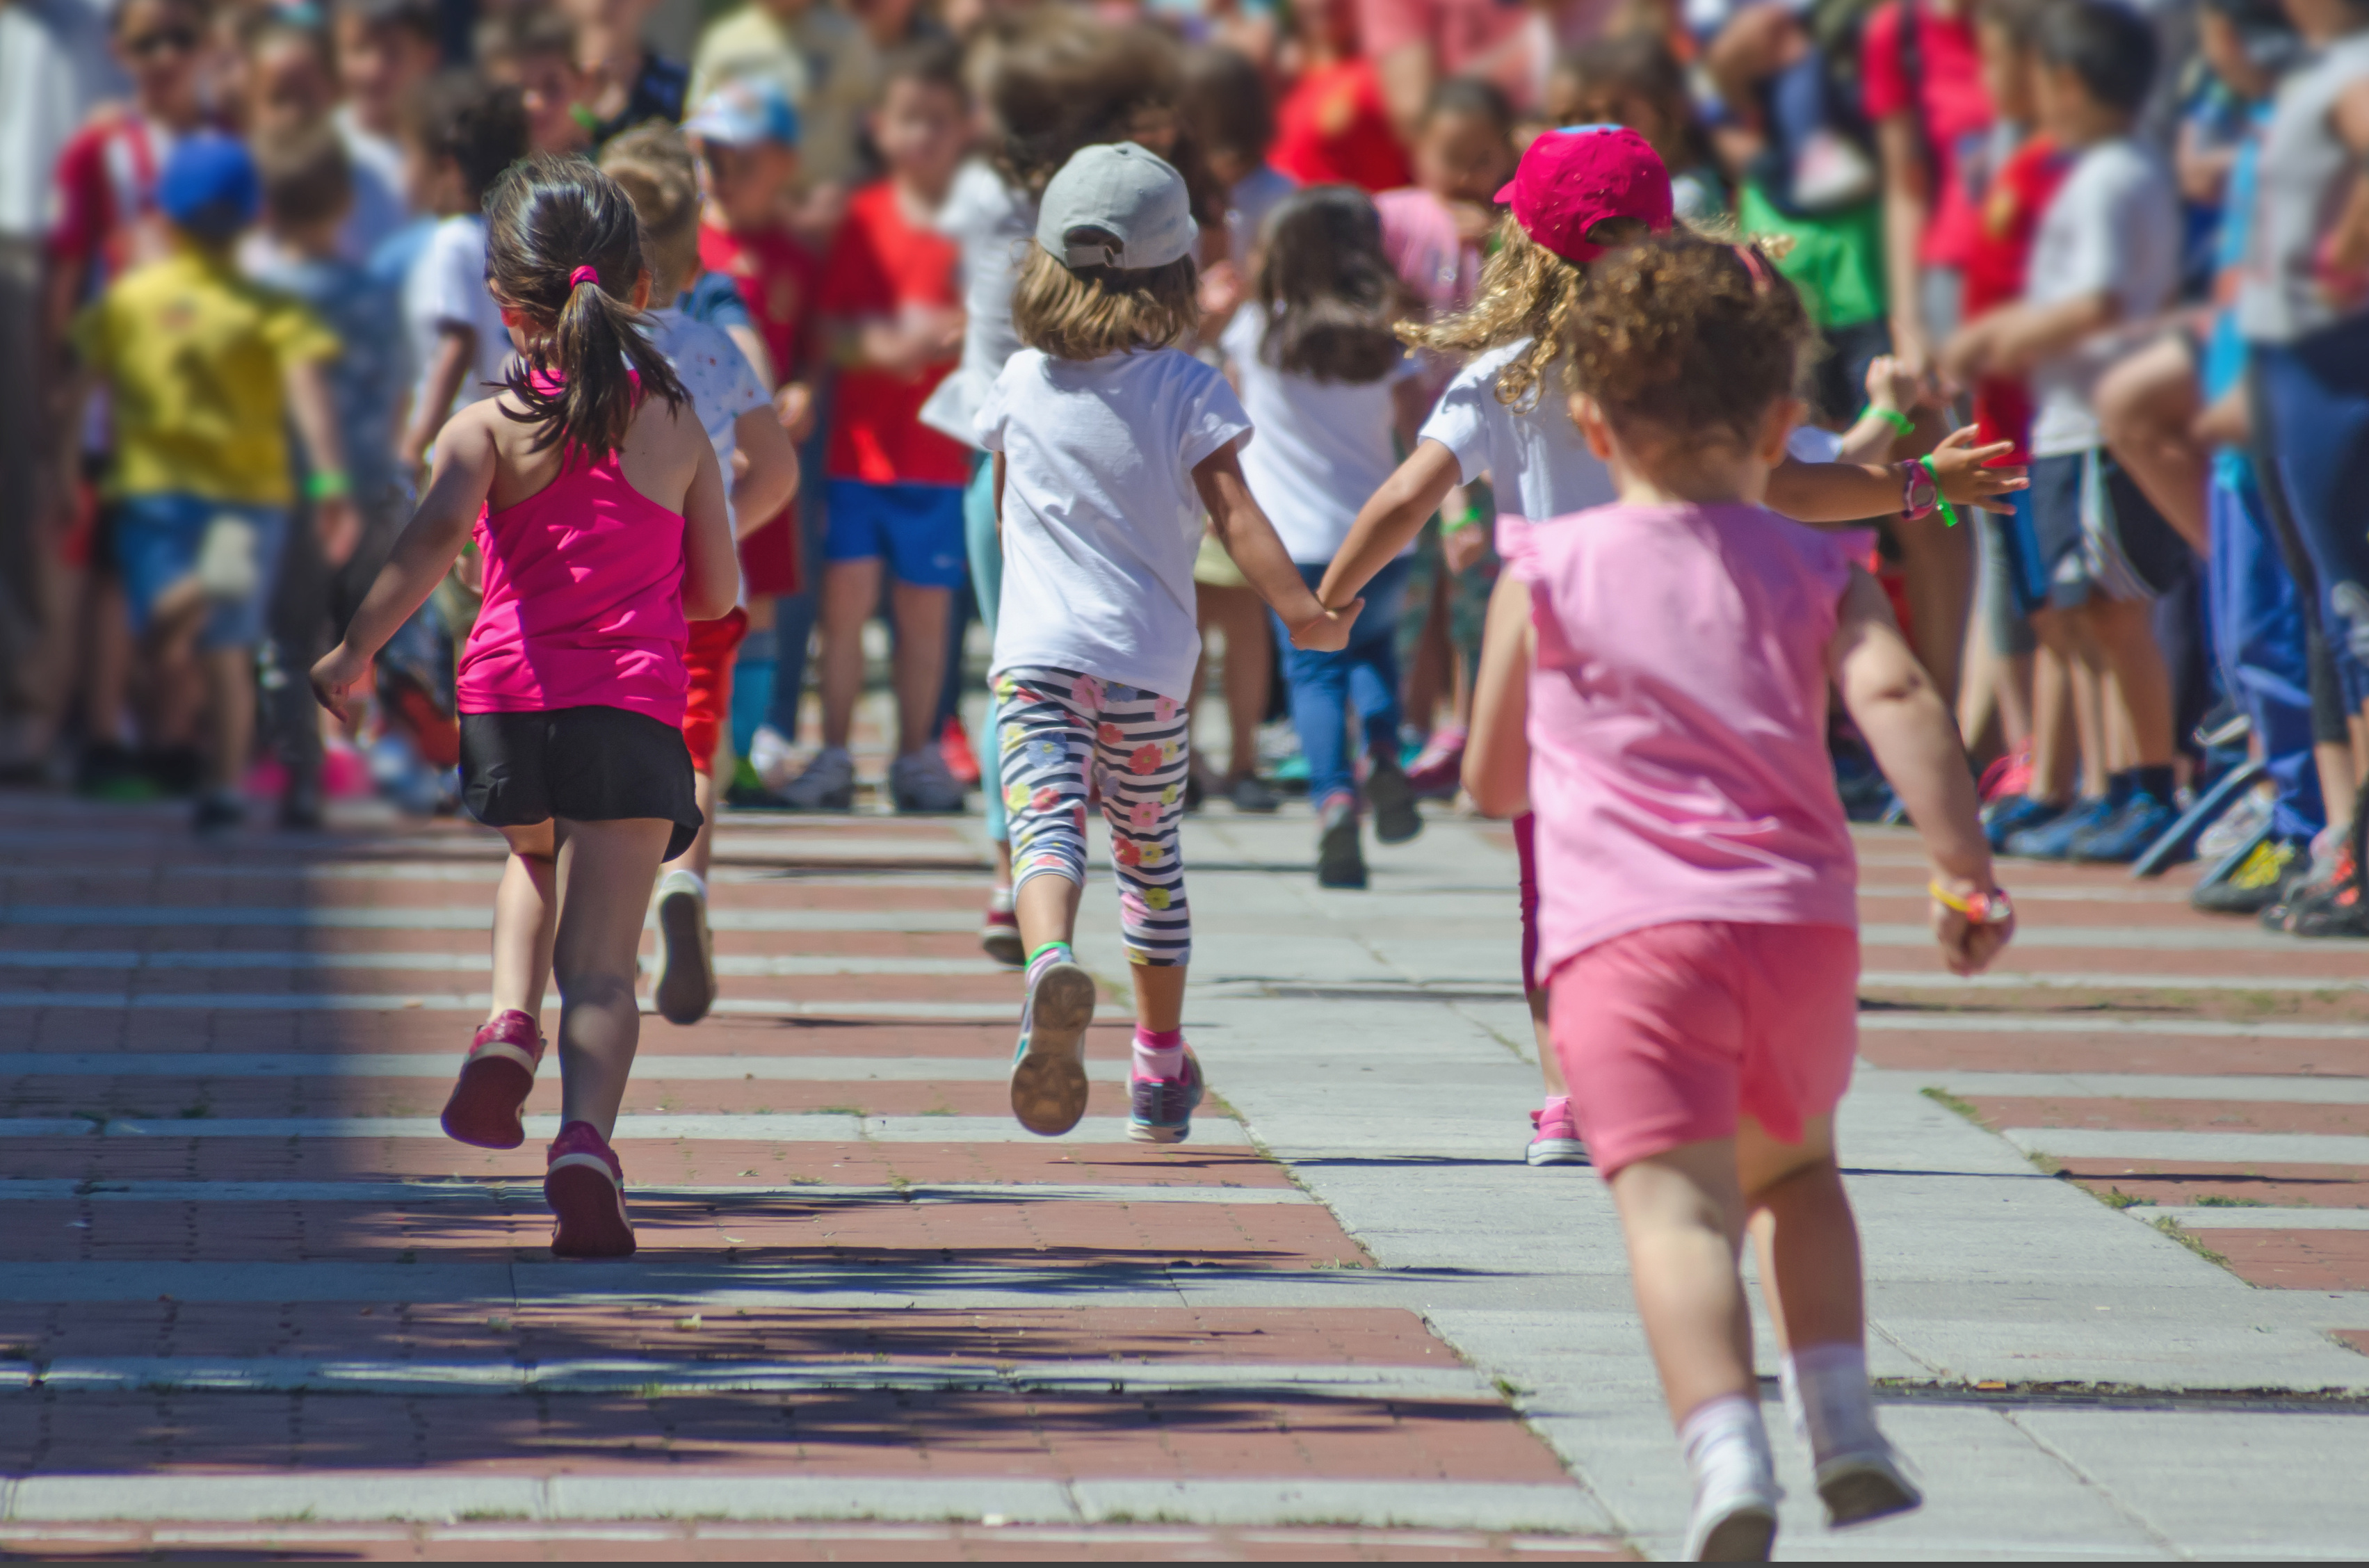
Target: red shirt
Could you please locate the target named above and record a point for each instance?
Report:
(776, 275)
(880, 263)
(1996, 262)
(107, 184)
(1953, 111)
(1331, 129)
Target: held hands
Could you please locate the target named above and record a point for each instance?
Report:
(339, 527)
(1972, 923)
(1961, 470)
(1327, 631)
(1894, 386)
(334, 677)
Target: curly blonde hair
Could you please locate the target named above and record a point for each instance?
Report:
(1527, 290)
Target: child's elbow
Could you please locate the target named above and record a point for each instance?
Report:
(1496, 791)
(711, 599)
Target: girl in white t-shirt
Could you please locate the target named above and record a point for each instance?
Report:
(1108, 441)
(1326, 381)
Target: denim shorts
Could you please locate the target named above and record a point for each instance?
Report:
(160, 542)
(919, 528)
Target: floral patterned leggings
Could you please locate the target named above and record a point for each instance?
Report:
(1055, 725)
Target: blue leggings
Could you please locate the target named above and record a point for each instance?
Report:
(1324, 686)
(987, 582)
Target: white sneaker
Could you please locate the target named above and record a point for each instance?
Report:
(828, 785)
(2237, 827)
(1738, 1526)
(921, 782)
(1048, 1070)
(686, 986)
(1860, 1487)
(773, 756)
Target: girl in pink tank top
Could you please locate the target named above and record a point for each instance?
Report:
(1697, 909)
(590, 490)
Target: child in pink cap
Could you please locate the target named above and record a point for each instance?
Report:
(1577, 193)
(1698, 923)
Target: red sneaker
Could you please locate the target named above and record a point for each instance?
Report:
(953, 748)
(585, 1188)
(496, 1078)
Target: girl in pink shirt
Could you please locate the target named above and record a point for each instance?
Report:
(591, 491)
(1697, 914)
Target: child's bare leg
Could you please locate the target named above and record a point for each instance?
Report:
(922, 614)
(526, 909)
(850, 592)
(1048, 908)
(606, 871)
(230, 691)
(1682, 1213)
(1159, 997)
(2142, 684)
(1550, 1062)
(1802, 1226)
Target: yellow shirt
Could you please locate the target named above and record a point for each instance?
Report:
(194, 357)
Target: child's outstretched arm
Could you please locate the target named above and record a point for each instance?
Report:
(1389, 519)
(1251, 540)
(1497, 754)
(1894, 705)
(424, 552)
(1818, 493)
(769, 473)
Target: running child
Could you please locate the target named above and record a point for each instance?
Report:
(1326, 381)
(1108, 441)
(597, 502)
(1576, 193)
(1699, 910)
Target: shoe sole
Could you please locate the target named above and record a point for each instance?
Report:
(1049, 1080)
(1003, 943)
(1556, 1151)
(1745, 1536)
(1858, 1491)
(587, 1212)
(686, 986)
(484, 1110)
(1396, 819)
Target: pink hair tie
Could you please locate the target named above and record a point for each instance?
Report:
(1750, 253)
(582, 276)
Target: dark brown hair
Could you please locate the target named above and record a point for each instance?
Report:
(460, 115)
(306, 176)
(510, 36)
(1084, 313)
(545, 218)
(1329, 293)
(1687, 336)
(1225, 102)
(935, 62)
(1642, 64)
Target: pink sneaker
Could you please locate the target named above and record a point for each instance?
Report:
(1555, 1136)
(999, 933)
(496, 1078)
(585, 1188)
(1437, 771)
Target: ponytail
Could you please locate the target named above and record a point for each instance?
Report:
(564, 250)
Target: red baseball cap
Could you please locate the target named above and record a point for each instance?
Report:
(1572, 179)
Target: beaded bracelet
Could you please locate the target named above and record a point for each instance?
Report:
(1984, 908)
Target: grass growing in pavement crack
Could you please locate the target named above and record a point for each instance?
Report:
(2223, 1200)
(2171, 1228)
(2116, 1197)
(1949, 1102)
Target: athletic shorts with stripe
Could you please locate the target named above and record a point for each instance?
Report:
(1062, 726)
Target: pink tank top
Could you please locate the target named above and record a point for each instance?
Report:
(583, 601)
(1677, 723)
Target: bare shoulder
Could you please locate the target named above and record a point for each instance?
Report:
(662, 451)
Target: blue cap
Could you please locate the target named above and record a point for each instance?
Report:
(744, 113)
(209, 185)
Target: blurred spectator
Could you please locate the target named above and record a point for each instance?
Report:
(1417, 44)
(385, 50)
(892, 310)
(625, 83)
(307, 185)
(1226, 105)
(1331, 126)
(1635, 81)
(1436, 229)
(463, 132)
(292, 83)
(1920, 67)
(205, 369)
(816, 56)
(892, 23)
(535, 51)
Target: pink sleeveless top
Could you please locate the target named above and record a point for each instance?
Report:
(583, 601)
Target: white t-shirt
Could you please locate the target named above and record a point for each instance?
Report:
(1324, 446)
(718, 376)
(992, 223)
(2112, 228)
(1100, 521)
(378, 206)
(447, 282)
(1537, 461)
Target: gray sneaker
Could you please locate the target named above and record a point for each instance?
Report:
(686, 986)
(828, 785)
(919, 782)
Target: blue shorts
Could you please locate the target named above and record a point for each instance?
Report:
(161, 540)
(919, 528)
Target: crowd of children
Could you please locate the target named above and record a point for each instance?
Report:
(1558, 411)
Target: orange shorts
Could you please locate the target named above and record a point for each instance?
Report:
(1670, 1034)
(708, 706)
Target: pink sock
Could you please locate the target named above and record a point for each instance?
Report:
(1161, 1055)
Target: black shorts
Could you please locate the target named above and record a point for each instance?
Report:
(588, 764)
(2090, 529)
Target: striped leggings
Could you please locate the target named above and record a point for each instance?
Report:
(1056, 726)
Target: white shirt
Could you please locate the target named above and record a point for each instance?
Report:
(54, 65)
(378, 206)
(718, 376)
(992, 223)
(1324, 446)
(1100, 521)
(1537, 461)
(447, 282)
(2112, 228)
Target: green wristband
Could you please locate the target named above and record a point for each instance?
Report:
(1901, 423)
(326, 485)
(1471, 515)
(1949, 512)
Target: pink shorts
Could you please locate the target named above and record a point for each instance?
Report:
(1668, 1033)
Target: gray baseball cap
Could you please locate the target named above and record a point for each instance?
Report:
(1127, 193)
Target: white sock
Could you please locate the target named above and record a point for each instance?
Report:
(1727, 1450)
(1827, 1395)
